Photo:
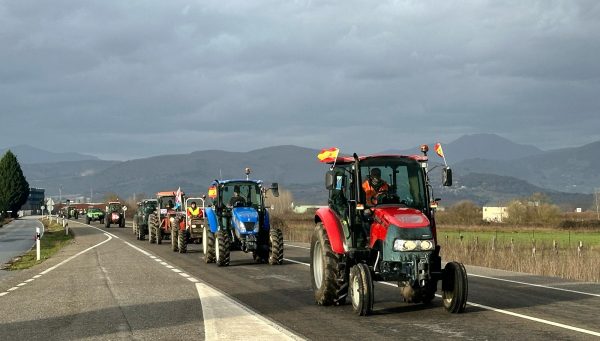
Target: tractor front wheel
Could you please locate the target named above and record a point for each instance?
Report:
(182, 241)
(455, 287)
(140, 232)
(87, 220)
(361, 289)
(326, 276)
(174, 237)
(222, 248)
(276, 247)
(208, 245)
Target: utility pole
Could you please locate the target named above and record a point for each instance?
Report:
(596, 192)
(59, 194)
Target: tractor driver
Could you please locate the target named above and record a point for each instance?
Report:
(193, 211)
(373, 186)
(236, 198)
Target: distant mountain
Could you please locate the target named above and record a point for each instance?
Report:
(574, 170)
(561, 174)
(483, 146)
(496, 190)
(28, 154)
(289, 165)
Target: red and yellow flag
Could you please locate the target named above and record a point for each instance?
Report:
(438, 149)
(328, 155)
(212, 192)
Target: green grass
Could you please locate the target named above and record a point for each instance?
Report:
(563, 238)
(53, 240)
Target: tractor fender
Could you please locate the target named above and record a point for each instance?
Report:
(211, 217)
(333, 228)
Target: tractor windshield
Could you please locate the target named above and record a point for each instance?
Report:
(168, 202)
(389, 180)
(114, 207)
(241, 194)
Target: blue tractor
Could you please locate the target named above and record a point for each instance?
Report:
(238, 220)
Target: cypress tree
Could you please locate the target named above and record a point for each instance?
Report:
(14, 189)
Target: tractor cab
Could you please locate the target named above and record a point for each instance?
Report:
(169, 215)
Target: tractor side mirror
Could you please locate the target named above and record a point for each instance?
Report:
(275, 189)
(447, 176)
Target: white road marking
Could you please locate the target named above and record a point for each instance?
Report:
(176, 270)
(21, 284)
(13, 289)
(37, 276)
(295, 261)
(169, 266)
(502, 311)
(300, 247)
(30, 280)
(193, 280)
(535, 285)
(158, 260)
(226, 319)
(183, 274)
(3, 293)
(163, 263)
(76, 255)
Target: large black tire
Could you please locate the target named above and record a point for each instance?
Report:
(182, 241)
(326, 274)
(455, 288)
(122, 222)
(152, 222)
(361, 290)
(222, 248)
(140, 232)
(87, 220)
(174, 233)
(107, 224)
(276, 246)
(208, 245)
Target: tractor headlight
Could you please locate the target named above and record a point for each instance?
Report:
(171, 219)
(426, 245)
(413, 245)
(242, 227)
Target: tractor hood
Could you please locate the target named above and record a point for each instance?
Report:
(401, 217)
(245, 214)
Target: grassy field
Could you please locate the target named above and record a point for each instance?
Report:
(523, 249)
(53, 240)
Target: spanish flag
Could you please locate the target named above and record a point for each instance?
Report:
(328, 155)
(212, 192)
(438, 149)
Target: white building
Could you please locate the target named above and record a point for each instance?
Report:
(494, 214)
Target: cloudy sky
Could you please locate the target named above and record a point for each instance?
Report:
(128, 79)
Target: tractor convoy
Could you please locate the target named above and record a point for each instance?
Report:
(379, 225)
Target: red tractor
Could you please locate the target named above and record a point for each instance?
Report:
(169, 217)
(380, 226)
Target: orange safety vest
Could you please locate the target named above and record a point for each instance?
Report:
(372, 192)
(193, 212)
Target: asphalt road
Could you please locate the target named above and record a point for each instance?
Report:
(503, 305)
(16, 238)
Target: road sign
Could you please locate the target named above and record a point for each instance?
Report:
(49, 202)
(43, 207)
(124, 208)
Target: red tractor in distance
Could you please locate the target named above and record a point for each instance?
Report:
(169, 215)
(386, 234)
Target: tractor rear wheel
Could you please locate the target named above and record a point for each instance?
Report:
(107, 224)
(159, 232)
(182, 241)
(361, 289)
(87, 220)
(122, 222)
(174, 233)
(455, 287)
(276, 247)
(153, 221)
(222, 248)
(208, 245)
(326, 274)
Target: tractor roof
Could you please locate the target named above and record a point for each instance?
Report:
(224, 182)
(168, 194)
(344, 160)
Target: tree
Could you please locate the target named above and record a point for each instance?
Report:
(14, 188)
